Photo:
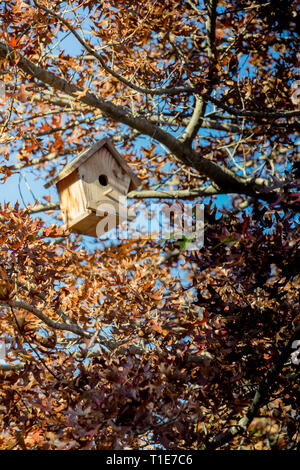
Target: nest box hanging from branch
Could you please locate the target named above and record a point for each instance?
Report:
(97, 176)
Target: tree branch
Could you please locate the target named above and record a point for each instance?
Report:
(51, 323)
(252, 114)
(9, 367)
(196, 120)
(67, 126)
(222, 176)
(37, 161)
(174, 194)
(145, 194)
(200, 106)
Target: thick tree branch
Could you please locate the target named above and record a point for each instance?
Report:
(222, 176)
(51, 323)
(190, 193)
(10, 367)
(196, 120)
(173, 194)
(211, 28)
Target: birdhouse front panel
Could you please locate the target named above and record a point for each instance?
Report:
(103, 178)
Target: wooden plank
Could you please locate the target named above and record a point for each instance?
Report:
(86, 223)
(72, 198)
(103, 168)
(135, 182)
(78, 220)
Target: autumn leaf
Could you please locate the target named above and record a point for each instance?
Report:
(24, 94)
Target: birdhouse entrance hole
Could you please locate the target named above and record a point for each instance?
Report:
(103, 180)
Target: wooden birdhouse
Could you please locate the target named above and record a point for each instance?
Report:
(97, 176)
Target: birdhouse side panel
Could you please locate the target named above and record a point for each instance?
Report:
(102, 175)
(72, 197)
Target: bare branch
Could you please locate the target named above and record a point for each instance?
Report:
(176, 194)
(9, 367)
(268, 114)
(51, 323)
(69, 125)
(196, 120)
(50, 206)
(38, 161)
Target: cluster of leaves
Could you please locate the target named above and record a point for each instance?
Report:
(165, 362)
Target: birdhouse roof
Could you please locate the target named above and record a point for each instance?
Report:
(85, 155)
